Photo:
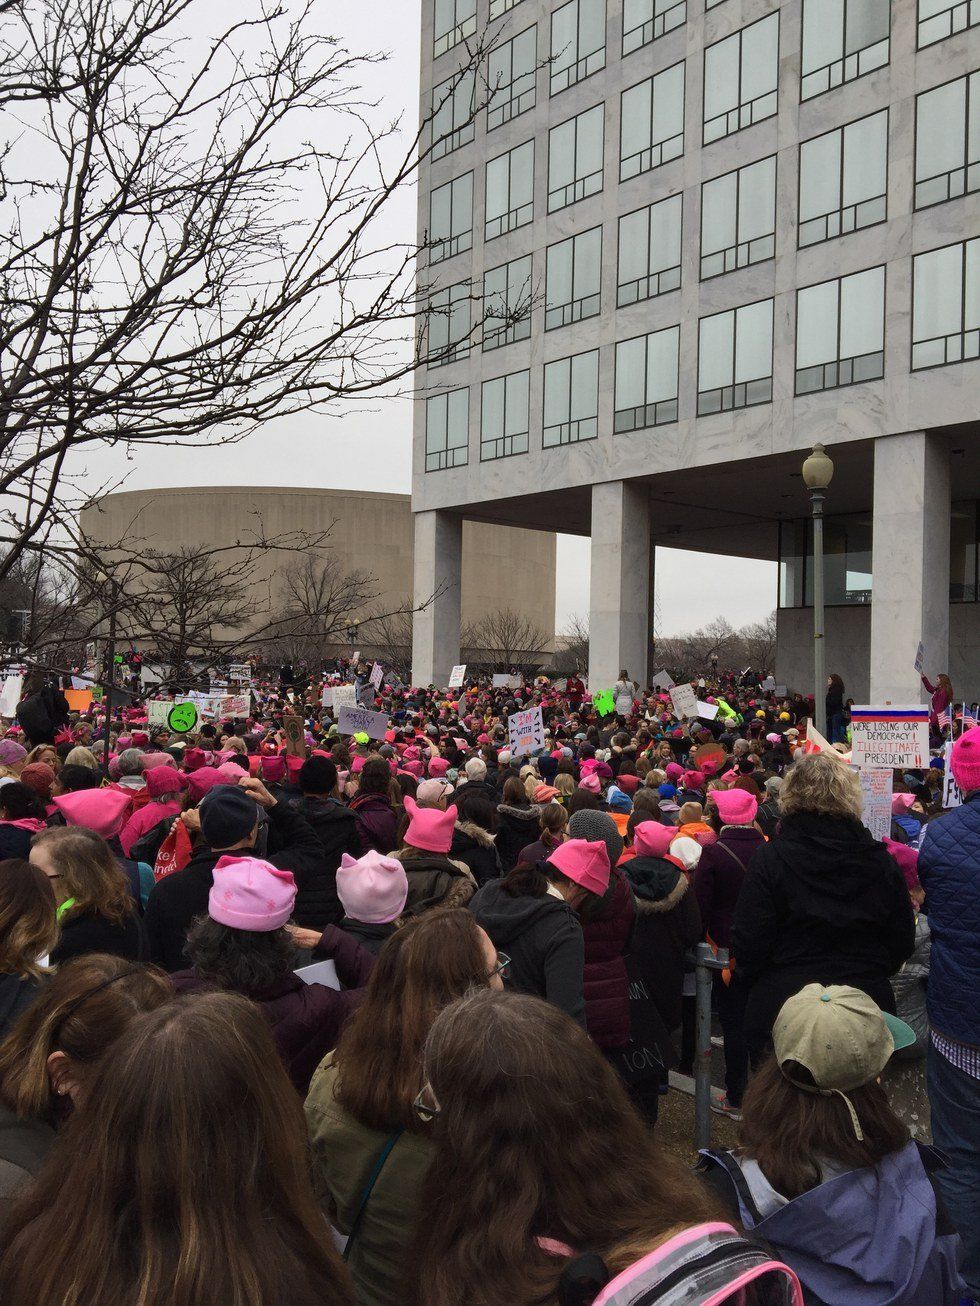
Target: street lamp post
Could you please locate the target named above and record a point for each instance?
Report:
(818, 471)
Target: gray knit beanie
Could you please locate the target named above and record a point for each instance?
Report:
(592, 825)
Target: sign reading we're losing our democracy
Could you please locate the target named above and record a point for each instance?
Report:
(890, 736)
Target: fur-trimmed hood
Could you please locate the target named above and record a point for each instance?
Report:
(658, 884)
(477, 833)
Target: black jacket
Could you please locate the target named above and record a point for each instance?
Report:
(16, 995)
(516, 828)
(177, 900)
(822, 903)
(370, 937)
(543, 938)
(668, 923)
(477, 848)
(91, 933)
(41, 714)
(317, 904)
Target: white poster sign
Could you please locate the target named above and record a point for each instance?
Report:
(326, 696)
(769, 684)
(157, 711)
(920, 658)
(344, 696)
(684, 701)
(876, 789)
(707, 711)
(952, 794)
(504, 680)
(240, 671)
(662, 681)
(360, 720)
(890, 736)
(377, 675)
(10, 695)
(457, 676)
(525, 732)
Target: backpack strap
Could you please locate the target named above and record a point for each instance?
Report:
(582, 1280)
(726, 1162)
(368, 1189)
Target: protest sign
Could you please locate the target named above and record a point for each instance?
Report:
(890, 736)
(457, 676)
(292, 727)
(780, 691)
(240, 671)
(920, 659)
(78, 700)
(182, 718)
(326, 696)
(157, 710)
(662, 681)
(504, 680)
(707, 711)
(952, 793)
(377, 675)
(769, 684)
(10, 695)
(344, 696)
(81, 682)
(684, 701)
(360, 720)
(525, 732)
(234, 705)
(604, 702)
(876, 790)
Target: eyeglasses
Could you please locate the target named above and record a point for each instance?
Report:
(426, 1106)
(502, 967)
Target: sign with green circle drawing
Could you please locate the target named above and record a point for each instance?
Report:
(182, 717)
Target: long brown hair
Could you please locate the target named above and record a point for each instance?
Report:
(82, 1012)
(89, 873)
(191, 1153)
(785, 1128)
(28, 923)
(536, 1138)
(553, 820)
(426, 964)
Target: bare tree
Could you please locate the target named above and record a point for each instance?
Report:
(390, 635)
(319, 602)
(191, 237)
(572, 648)
(503, 639)
(759, 643)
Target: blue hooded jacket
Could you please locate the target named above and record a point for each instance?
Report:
(871, 1237)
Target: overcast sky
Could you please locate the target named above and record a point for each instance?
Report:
(370, 449)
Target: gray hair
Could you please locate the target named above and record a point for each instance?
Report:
(130, 762)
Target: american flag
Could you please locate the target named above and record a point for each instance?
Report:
(944, 718)
(971, 717)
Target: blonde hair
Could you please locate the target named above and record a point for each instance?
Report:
(82, 756)
(821, 783)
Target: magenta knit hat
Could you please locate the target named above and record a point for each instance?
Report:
(736, 806)
(964, 760)
(164, 780)
(583, 861)
(438, 767)
(372, 888)
(908, 861)
(429, 828)
(101, 810)
(202, 781)
(592, 783)
(673, 771)
(250, 894)
(651, 839)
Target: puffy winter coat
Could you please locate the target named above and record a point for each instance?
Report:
(949, 871)
(719, 876)
(335, 825)
(668, 923)
(477, 848)
(434, 880)
(376, 822)
(606, 984)
(516, 828)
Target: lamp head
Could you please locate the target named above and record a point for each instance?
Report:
(818, 470)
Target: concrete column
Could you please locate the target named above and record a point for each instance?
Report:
(619, 608)
(910, 564)
(438, 576)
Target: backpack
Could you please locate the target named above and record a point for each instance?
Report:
(706, 1265)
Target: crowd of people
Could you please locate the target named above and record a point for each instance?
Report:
(290, 1016)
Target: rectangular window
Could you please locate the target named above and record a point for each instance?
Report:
(738, 218)
(510, 190)
(651, 130)
(847, 561)
(964, 539)
(840, 332)
(646, 20)
(842, 39)
(512, 78)
(451, 218)
(947, 141)
(741, 76)
(575, 158)
(646, 380)
(844, 180)
(578, 42)
(453, 107)
(500, 7)
(735, 358)
(454, 21)
(573, 280)
(649, 252)
(504, 420)
(447, 434)
(449, 325)
(571, 400)
(941, 18)
(507, 303)
(946, 305)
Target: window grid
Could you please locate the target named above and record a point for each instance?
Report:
(845, 218)
(449, 313)
(506, 445)
(744, 252)
(737, 394)
(956, 17)
(500, 7)
(665, 15)
(445, 97)
(462, 25)
(520, 214)
(577, 308)
(659, 281)
(743, 114)
(851, 65)
(515, 302)
(659, 413)
(442, 248)
(959, 180)
(584, 65)
(657, 152)
(957, 346)
(840, 372)
(573, 429)
(508, 100)
(445, 447)
(579, 188)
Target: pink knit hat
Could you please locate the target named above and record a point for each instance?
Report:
(736, 806)
(202, 780)
(372, 888)
(438, 767)
(584, 861)
(101, 810)
(964, 760)
(901, 803)
(908, 861)
(250, 894)
(429, 828)
(164, 780)
(651, 839)
(693, 779)
(592, 783)
(673, 771)
(274, 769)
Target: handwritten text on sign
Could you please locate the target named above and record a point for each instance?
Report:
(525, 732)
(355, 720)
(890, 736)
(876, 790)
(684, 701)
